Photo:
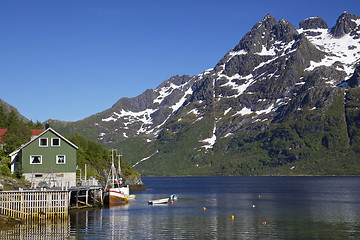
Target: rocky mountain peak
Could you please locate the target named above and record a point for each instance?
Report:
(313, 23)
(265, 33)
(252, 41)
(345, 24)
(284, 31)
(268, 22)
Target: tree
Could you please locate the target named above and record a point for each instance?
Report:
(17, 132)
(36, 125)
(3, 117)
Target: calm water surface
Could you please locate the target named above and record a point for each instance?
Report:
(263, 208)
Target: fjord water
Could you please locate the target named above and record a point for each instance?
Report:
(262, 208)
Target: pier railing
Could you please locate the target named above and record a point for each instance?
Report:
(32, 204)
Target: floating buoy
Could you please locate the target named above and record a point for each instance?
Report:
(253, 205)
(204, 208)
(172, 202)
(232, 217)
(264, 222)
(259, 197)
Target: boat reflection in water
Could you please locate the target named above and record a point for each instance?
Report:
(117, 192)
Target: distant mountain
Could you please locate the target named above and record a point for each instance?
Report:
(282, 101)
(9, 107)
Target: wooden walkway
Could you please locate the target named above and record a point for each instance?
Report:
(48, 203)
(34, 204)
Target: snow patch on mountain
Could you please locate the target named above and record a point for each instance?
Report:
(144, 159)
(101, 136)
(132, 117)
(176, 106)
(210, 141)
(266, 111)
(244, 111)
(239, 88)
(345, 50)
(164, 92)
(194, 111)
(227, 110)
(277, 50)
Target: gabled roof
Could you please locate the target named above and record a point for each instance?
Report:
(57, 134)
(45, 131)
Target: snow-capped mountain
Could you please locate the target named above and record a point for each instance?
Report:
(271, 102)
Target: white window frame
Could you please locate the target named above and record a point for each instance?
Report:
(31, 159)
(52, 142)
(47, 142)
(57, 159)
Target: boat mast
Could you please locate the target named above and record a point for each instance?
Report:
(112, 177)
(112, 166)
(113, 169)
(119, 169)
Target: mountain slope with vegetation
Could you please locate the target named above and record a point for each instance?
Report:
(282, 101)
(94, 155)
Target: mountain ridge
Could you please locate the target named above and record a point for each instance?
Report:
(258, 111)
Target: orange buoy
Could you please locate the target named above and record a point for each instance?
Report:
(264, 222)
(204, 208)
(232, 217)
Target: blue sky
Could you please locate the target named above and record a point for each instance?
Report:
(68, 60)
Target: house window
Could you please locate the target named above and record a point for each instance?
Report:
(60, 159)
(43, 142)
(35, 159)
(38, 175)
(55, 142)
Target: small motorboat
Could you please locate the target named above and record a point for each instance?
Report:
(159, 201)
(164, 200)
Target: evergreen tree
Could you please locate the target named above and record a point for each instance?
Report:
(36, 125)
(17, 134)
(3, 117)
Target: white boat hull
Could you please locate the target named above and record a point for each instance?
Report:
(159, 201)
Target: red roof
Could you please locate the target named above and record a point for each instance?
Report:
(35, 132)
(2, 133)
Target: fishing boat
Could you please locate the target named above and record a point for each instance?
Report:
(116, 191)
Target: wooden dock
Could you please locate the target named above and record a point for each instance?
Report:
(34, 204)
(48, 203)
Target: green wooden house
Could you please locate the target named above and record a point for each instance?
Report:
(48, 159)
